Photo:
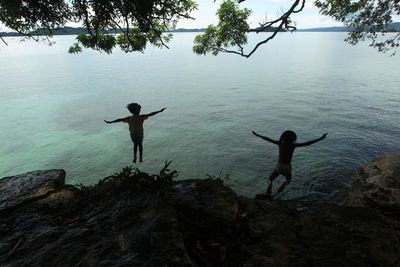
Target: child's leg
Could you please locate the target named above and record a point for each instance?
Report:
(288, 180)
(273, 175)
(140, 152)
(134, 152)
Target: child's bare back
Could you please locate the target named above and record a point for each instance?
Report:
(287, 146)
(135, 123)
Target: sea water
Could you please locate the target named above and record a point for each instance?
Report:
(53, 104)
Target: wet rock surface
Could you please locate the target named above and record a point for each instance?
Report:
(29, 186)
(191, 223)
(377, 184)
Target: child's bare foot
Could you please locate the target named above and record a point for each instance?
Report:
(134, 160)
(141, 160)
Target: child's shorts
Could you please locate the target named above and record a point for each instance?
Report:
(137, 138)
(284, 169)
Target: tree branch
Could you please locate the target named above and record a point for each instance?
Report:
(158, 35)
(283, 21)
(4, 41)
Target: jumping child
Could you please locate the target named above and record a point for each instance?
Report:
(136, 127)
(286, 145)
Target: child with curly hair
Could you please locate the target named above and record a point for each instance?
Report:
(136, 127)
(287, 146)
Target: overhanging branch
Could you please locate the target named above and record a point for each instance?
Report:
(4, 41)
(283, 22)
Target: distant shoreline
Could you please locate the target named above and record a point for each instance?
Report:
(393, 27)
(80, 30)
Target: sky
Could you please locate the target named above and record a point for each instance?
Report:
(308, 18)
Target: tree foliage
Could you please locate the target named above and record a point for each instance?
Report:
(229, 36)
(230, 31)
(137, 22)
(367, 19)
(132, 24)
(34, 18)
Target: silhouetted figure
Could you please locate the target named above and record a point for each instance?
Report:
(286, 148)
(136, 127)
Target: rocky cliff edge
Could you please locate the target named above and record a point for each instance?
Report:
(139, 220)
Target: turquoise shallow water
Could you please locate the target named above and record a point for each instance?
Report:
(53, 104)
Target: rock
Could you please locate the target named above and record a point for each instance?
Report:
(377, 184)
(320, 235)
(206, 198)
(263, 197)
(259, 260)
(188, 223)
(74, 227)
(166, 239)
(207, 213)
(29, 186)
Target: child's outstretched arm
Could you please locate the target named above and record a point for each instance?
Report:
(156, 112)
(266, 138)
(117, 120)
(312, 141)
